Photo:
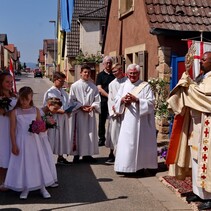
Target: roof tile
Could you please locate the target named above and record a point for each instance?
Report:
(170, 10)
(168, 2)
(205, 3)
(186, 15)
(186, 2)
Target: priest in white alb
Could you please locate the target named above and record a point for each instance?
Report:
(137, 145)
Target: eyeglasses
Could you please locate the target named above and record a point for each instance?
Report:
(133, 73)
(108, 62)
(115, 71)
(61, 81)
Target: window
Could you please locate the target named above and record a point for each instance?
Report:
(138, 55)
(129, 58)
(102, 32)
(125, 7)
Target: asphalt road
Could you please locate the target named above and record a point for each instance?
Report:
(93, 187)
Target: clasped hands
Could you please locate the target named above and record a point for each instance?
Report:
(128, 99)
(87, 108)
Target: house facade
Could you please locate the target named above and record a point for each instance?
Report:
(83, 36)
(92, 28)
(3, 42)
(41, 60)
(49, 46)
(154, 34)
(10, 51)
(150, 32)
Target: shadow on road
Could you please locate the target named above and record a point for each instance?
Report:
(77, 184)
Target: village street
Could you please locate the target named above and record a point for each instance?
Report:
(93, 187)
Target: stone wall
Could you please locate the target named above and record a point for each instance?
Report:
(164, 72)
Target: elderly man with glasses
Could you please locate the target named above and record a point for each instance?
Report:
(137, 145)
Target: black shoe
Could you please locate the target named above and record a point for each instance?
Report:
(89, 159)
(63, 161)
(101, 143)
(76, 159)
(111, 159)
(193, 198)
(120, 173)
(141, 172)
(205, 205)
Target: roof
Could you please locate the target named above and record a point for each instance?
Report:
(81, 7)
(179, 15)
(48, 45)
(15, 54)
(99, 13)
(10, 47)
(3, 39)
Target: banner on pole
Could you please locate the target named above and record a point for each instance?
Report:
(201, 47)
(11, 69)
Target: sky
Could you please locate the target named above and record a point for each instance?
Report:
(26, 23)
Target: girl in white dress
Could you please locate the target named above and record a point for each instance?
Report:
(28, 166)
(52, 106)
(6, 84)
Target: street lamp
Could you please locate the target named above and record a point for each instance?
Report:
(54, 46)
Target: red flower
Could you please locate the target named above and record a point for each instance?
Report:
(37, 126)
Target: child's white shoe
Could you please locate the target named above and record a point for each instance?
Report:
(54, 185)
(24, 194)
(45, 193)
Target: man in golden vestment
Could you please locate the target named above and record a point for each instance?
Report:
(190, 142)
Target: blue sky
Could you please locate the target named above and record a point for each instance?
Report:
(26, 23)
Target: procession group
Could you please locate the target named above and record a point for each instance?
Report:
(127, 103)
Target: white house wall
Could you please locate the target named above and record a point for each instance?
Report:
(6, 58)
(90, 37)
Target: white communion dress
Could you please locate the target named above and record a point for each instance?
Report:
(30, 169)
(5, 143)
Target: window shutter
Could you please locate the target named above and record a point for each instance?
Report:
(142, 62)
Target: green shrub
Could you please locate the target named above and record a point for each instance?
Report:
(88, 58)
(160, 88)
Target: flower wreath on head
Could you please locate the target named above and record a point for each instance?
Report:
(50, 122)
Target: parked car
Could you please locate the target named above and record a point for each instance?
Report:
(38, 73)
(17, 72)
(27, 69)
